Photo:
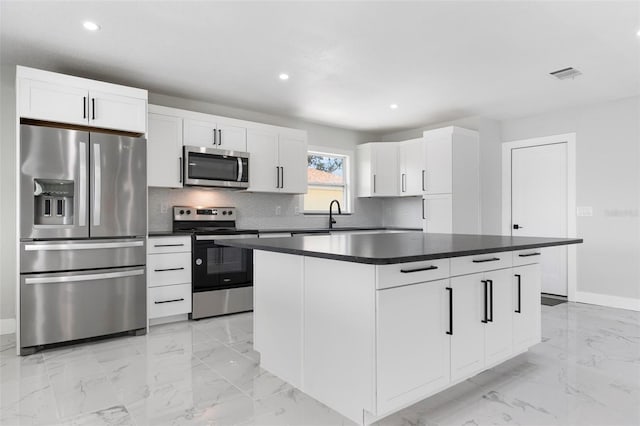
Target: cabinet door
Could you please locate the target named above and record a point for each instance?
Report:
(53, 102)
(437, 213)
(413, 344)
(467, 340)
(385, 170)
(499, 329)
(201, 133)
(117, 112)
(164, 151)
(412, 167)
(232, 138)
(263, 161)
(439, 166)
(526, 306)
(293, 163)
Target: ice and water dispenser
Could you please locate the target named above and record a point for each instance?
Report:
(53, 202)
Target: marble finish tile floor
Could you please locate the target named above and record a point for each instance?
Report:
(585, 372)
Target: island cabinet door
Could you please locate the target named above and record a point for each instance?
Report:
(467, 340)
(413, 349)
(499, 326)
(526, 306)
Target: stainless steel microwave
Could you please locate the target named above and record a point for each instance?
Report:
(215, 167)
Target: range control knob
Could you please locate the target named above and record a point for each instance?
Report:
(181, 211)
(224, 212)
(230, 212)
(188, 211)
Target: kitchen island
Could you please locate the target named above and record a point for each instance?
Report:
(370, 324)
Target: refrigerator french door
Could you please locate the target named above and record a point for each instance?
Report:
(83, 214)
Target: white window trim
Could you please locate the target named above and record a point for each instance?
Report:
(350, 178)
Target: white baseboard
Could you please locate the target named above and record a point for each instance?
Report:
(606, 300)
(7, 326)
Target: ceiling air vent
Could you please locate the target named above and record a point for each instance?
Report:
(566, 73)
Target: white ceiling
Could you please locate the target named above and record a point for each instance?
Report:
(347, 60)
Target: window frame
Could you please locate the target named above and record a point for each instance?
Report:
(347, 207)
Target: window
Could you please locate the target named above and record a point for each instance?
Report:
(328, 179)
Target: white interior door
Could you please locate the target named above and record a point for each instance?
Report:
(539, 206)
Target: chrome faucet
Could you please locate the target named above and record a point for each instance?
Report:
(331, 219)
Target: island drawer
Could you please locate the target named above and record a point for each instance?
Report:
(480, 262)
(169, 300)
(409, 273)
(526, 257)
(169, 268)
(169, 244)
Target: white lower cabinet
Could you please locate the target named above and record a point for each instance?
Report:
(525, 281)
(498, 331)
(413, 344)
(168, 276)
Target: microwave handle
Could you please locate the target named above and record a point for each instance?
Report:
(239, 169)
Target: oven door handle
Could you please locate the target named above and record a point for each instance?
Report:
(224, 237)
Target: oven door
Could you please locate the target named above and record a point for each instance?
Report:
(215, 167)
(217, 267)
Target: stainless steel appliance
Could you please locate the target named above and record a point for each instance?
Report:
(215, 167)
(83, 223)
(222, 278)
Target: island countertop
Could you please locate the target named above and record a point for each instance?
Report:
(384, 249)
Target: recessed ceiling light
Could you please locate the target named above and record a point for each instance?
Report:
(284, 76)
(91, 26)
(393, 106)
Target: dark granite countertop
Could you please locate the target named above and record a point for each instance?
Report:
(293, 230)
(382, 249)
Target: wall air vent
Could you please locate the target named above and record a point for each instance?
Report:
(566, 73)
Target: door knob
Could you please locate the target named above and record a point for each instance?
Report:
(516, 226)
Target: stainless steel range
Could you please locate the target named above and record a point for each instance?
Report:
(222, 280)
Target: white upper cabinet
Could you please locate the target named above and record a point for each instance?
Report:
(438, 165)
(412, 167)
(378, 170)
(278, 161)
(48, 96)
(164, 150)
(214, 134)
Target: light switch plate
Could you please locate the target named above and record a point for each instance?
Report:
(584, 211)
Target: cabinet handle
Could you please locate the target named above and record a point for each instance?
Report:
(519, 310)
(282, 177)
(450, 290)
(168, 245)
(219, 136)
(169, 269)
(93, 108)
(490, 319)
(277, 176)
(169, 301)
(428, 268)
(423, 173)
(403, 182)
(486, 302)
(529, 254)
(493, 259)
(374, 184)
(84, 107)
(423, 215)
(180, 169)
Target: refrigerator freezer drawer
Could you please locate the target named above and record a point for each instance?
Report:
(67, 306)
(47, 256)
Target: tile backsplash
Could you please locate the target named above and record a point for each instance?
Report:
(255, 210)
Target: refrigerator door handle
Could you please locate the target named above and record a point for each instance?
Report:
(85, 277)
(97, 184)
(82, 185)
(82, 246)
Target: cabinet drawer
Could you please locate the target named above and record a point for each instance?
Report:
(169, 244)
(526, 257)
(480, 262)
(169, 268)
(169, 300)
(409, 273)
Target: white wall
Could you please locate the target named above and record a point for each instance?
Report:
(607, 179)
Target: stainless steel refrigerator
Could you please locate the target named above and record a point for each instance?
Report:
(83, 226)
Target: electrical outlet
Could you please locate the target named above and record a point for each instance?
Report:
(296, 210)
(278, 210)
(584, 211)
(164, 207)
